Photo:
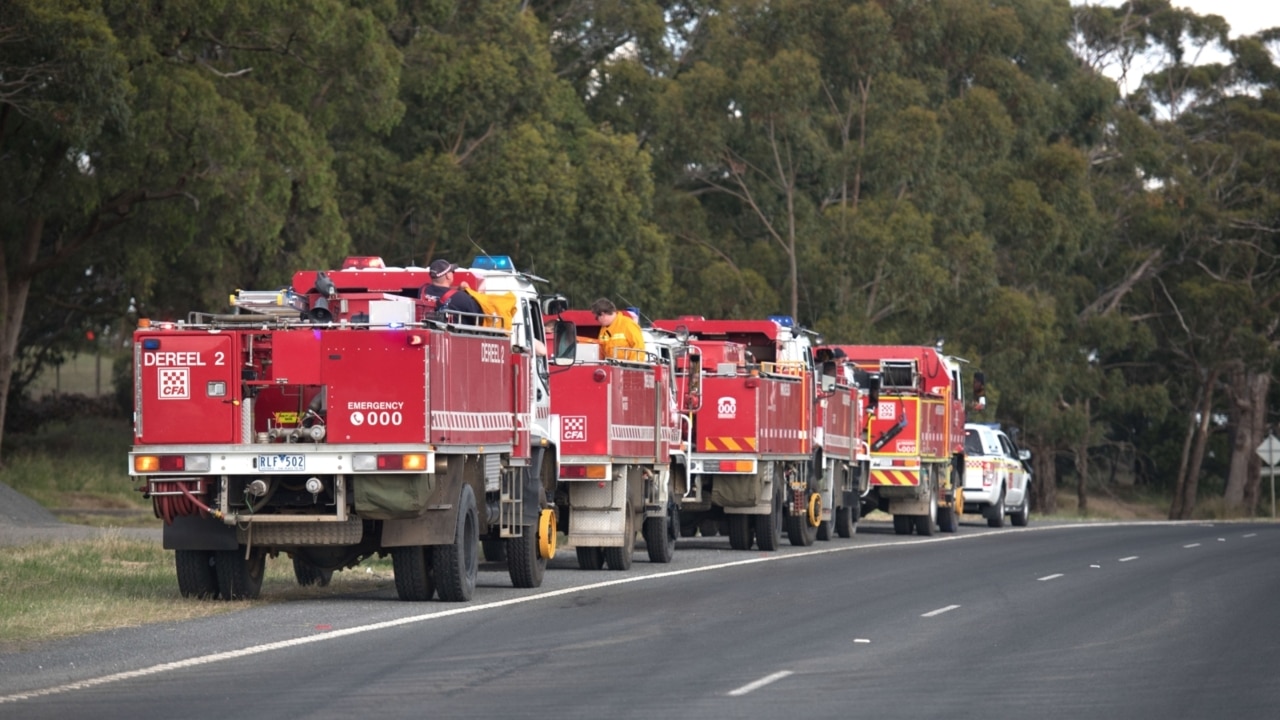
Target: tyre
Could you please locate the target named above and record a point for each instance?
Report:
(1022, 515)
(494, 550)
(619, 558)
(240, 578)
(525, 565)
(995, 513)
(456, 565)
(412, 569)
(740, 532)
(659, 540)
(902, 524)
(947, 520)
(197, 574)
(846, 521)
(924, 525)
(307, 574)
(769, 527)
(590, 558)
(824, 530)
(799, 530)
(709, 527)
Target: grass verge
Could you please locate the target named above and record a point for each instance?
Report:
(64, 589)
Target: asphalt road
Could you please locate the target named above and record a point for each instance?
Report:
(1162, 620)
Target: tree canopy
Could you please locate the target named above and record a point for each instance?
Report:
(1100, 242)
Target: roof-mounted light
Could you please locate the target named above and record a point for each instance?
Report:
(363, 262)
(785, 321)
(493, 262)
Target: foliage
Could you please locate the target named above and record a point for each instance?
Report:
(887, 171)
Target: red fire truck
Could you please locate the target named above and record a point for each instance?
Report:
(619, 427)
(916, 435)
(750, 463)
(338, 419)
(840, 439)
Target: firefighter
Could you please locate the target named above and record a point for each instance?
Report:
(620, 336)
(447, 296)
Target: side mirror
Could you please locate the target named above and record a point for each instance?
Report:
(827, 383)
(566, 339)
(554, 305)
(1024, 455)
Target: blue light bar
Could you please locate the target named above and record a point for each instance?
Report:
(151, 344)
(493, 262)
(783, 320)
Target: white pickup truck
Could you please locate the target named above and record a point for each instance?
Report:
(996, 476)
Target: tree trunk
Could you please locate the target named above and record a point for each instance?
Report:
(15, 286)
(1249, 406)
(1044, 482)
(1082, 467)
(1199, 441)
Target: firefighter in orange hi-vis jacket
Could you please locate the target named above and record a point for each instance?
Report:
(620, 336)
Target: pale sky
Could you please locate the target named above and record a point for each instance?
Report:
(1246, 17)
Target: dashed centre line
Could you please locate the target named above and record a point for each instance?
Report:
(1054, 576)
(1127, 559)
(939, 611)
(756, 685)
(1191, 545)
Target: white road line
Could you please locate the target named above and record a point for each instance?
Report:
(760, 683)
(1192, 545)
(1252, 535)
(1054, 576)
(861, 640)
(1127, 559)
(939, 611)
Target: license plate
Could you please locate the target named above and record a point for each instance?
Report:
(282, 463)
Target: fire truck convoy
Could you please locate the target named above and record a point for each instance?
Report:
(347, 417)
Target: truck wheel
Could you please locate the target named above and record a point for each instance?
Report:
(659, 540)
(525, 564)
(590, 558)
(902, 524)
(412, 569)
(307, 574)
(1022, 514)
(769, 527)
(238, 578)
(799, 531)
(924, 525)
(824, 530)
(947, 520)
(197, 575)
(494, 550)
(846, 522)
(619, 558)
(740, 535)
(455, 565)
(709, 527)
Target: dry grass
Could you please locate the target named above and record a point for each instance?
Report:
(57, 590)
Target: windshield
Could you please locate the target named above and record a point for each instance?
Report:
(973, 443)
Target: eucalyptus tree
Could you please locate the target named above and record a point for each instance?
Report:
(495, 155)
(181, 145)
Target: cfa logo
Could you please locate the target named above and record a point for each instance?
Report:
(727, 407)
(490, 353)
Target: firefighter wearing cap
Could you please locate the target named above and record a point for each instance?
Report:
(620, 336)
(448, 296)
